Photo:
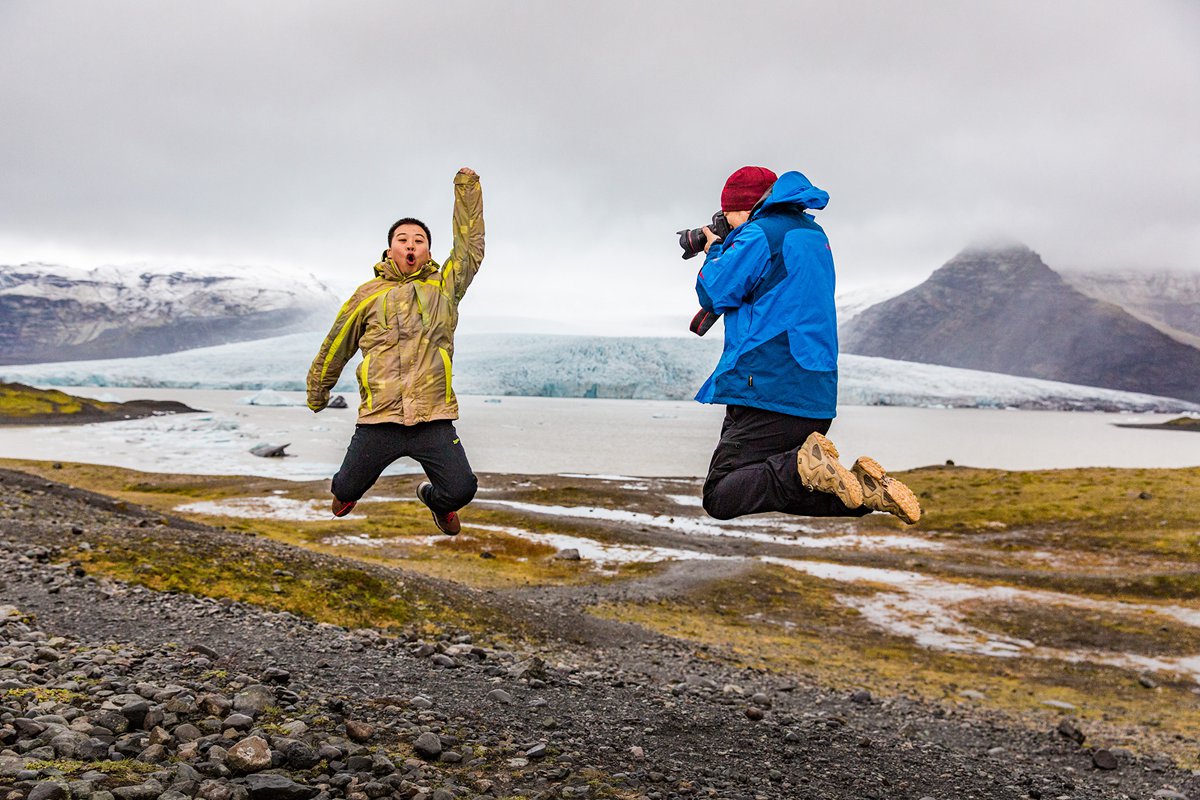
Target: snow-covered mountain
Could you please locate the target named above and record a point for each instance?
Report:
(50, 312)
(579, 366)
(1170, 301)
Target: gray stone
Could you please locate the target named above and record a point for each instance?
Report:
(1069, 728)
(277, 787)
(500, 696)
(215, 705)
(241, 722)
(568, 554)
(1104, 759)
(221, 790)
(49, 790)
(254, 700)
(187, 732)
(420, 702)
(72, 745)
(428, 746)
(150, 790)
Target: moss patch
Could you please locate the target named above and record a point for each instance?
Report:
(341, 595)
(18, 401)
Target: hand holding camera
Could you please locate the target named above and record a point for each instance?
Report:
(695, 241)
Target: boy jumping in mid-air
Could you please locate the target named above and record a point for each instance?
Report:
(403, 320)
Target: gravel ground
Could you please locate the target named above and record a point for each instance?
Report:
(226, 700)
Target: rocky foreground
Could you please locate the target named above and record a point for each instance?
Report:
(109, 690)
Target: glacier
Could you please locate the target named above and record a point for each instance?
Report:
(650, 368)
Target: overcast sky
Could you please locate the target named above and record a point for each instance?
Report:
(293, 134)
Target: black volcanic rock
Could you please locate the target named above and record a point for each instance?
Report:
(1003, 310)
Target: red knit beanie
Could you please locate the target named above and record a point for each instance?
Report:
(746, 187)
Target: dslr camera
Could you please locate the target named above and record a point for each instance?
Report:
(692, 241)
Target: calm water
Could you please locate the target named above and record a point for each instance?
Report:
(607, 437)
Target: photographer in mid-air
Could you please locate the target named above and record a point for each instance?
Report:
(769, 272)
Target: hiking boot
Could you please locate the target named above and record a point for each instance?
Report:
(819, 469)
(446, 523)
(883, 493)
(341, 509)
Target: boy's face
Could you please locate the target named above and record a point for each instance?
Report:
(410, 248)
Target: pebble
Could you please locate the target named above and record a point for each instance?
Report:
(428, 746)
(359, 731)
(1069, 728)
(1104, 759)
(500, 696)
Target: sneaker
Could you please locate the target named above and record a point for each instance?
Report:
(883, 493)
(341, 509)
(446, 523)
(819, 469)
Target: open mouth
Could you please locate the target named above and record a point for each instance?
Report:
(411, 259)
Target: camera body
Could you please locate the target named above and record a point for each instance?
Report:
(693, 241)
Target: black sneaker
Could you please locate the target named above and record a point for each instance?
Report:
(446, 523)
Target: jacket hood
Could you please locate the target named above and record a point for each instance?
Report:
(389, 270)
(794, 188)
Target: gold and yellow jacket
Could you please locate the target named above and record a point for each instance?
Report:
(404, 326)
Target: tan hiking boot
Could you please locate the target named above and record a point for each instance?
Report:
(883, 493)
(819, 469)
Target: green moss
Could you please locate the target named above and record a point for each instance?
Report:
(42, 694)
(122, 772)
(18, 402)
(341, 595)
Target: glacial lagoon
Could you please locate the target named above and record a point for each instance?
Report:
(594, 437)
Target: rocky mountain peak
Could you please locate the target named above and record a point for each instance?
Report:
(993, 266)
(1002, 309)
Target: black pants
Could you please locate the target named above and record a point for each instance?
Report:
(433, 445)
(754, 468)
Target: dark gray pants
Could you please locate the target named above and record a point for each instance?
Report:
(434, 445)
(754, 468)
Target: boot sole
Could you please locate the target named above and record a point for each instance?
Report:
(891, 496)
(819, 469)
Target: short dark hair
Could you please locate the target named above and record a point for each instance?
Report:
(408, 221)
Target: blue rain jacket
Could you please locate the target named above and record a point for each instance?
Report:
(772, 278)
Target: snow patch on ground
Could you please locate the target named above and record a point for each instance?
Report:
(932, 613)
(797, 535)
(269, 507)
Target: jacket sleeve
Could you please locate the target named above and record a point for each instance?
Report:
(338, 348)
(460, 268)
(731, 270)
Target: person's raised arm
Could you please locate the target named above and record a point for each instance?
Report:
(460, 268)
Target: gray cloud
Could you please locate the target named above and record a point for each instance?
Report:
(294, 133)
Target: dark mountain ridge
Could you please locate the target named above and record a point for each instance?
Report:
(1003, 310)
